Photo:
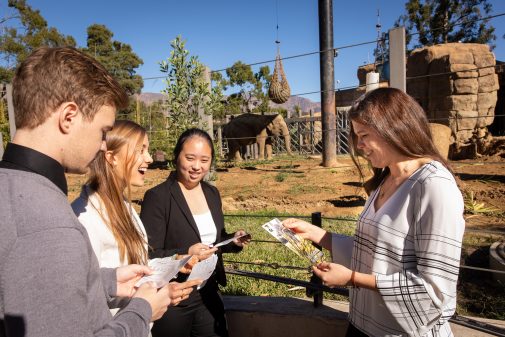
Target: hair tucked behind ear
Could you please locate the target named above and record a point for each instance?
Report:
(111, 189)
(400, 121)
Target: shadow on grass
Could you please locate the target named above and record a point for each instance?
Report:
(348, 201)
(483, 177)
(353, 183)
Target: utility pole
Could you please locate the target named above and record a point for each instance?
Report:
(326, 69)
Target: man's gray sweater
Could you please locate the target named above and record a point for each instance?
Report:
(50, 282)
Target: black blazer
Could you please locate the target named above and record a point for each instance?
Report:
(171, 228)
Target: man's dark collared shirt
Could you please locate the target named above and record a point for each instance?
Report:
(18, 157)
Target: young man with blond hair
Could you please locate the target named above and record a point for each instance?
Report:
(50, 282)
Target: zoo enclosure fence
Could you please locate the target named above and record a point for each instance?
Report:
(315, 289)
(306, 134)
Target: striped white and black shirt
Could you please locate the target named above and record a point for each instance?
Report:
(413, 245)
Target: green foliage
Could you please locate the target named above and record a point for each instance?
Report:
(117, 57)
(270, 255)
(17, 43)
(4, 123)
(472, 206)
(280, 177)
(187, 92)
(447, 21)
(251, 94)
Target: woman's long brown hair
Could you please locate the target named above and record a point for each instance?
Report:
(114, 190)
(397, 118)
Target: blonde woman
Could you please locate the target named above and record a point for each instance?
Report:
(115, 230)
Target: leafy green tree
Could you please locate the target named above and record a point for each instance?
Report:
(117, 57)
(17, 43)
(250, 88)
(187, 92)
(443, 21)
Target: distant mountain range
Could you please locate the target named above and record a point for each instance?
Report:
(305, 104)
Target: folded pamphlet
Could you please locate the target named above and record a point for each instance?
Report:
(290, 239)
(164, 270)
(203, 270)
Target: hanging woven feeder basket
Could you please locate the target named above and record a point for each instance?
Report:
(279, 90)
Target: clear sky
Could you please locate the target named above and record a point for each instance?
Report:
(221, 32)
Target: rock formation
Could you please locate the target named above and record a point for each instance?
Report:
(457, 85)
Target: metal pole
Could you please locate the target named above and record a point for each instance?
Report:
(312, 145)
(10, 109)
(317, 294)
(397, 59)
(326, 59)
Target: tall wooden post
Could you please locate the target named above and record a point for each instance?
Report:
(220, 141)
(1, 146)
(312, 145)
(10, 109)
(206, 122)
(326, 60)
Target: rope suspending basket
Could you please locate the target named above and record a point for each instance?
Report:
(279, 90)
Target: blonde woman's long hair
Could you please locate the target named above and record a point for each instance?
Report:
(114, 190)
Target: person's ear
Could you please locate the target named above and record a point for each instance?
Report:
(68, 115)
(111, 158)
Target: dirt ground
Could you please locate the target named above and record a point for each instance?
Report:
(300, 185)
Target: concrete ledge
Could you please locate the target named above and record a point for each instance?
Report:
(249, 316)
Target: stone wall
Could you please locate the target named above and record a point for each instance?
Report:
(456, 84)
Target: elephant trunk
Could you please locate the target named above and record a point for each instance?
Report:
(287, 137)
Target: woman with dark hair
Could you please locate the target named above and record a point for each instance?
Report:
(183, 215)
(402, 263)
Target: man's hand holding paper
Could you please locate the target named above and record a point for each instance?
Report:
(164, 270)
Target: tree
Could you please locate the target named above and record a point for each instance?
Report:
(187, 92)
(17, 43)
(443, 21)
(117, 57)
(252, 88)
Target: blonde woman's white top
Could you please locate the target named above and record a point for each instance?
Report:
(89, 209)
(91, 213)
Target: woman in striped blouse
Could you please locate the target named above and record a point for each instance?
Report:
(403, 260)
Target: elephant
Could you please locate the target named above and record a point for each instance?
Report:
(250, 128)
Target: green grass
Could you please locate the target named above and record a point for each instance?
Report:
(280, 177)
(269, 254)
(478, 294)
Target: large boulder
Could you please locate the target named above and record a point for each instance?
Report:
(457, 85)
